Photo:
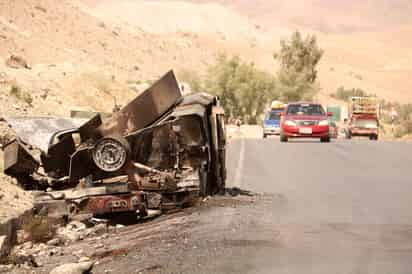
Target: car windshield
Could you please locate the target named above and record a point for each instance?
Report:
(273, 116)
(365, 123)
(305, 109)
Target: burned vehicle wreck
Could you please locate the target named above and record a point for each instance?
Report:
(159, 152)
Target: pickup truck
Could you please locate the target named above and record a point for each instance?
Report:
(160, 151)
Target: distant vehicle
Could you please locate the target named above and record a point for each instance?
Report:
(333, 130)
(305, 120)
(271, 124)
(364, 117)
(336, 111)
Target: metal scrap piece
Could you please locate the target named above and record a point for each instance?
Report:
(38, 132)
(18, 161)
(146, 108)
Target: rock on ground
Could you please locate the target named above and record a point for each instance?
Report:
(73, 268)
(4, 246)
(17, 62)
(13, 199)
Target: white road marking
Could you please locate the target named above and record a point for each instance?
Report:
(240, 163)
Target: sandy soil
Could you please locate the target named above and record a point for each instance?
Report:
(14, 200)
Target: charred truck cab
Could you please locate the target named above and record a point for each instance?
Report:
(160, 151)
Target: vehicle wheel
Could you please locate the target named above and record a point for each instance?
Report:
(111, 153)
(325, 140)
(264, 136)
(349, 135)
(283, 138)
(203, 181)
(373, 137)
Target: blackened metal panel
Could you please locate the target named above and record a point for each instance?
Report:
(202, 98)
(146, 108)
(17, 160)
(81, 164)
(89, 129)
(57, 160)
(38, 131)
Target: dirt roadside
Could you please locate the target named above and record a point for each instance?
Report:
(147, 247)
(14, 200)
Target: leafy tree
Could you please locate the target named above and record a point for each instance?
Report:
(243, 89)
(298, 58)
(345, 94)
(405, 112)
(192, 78)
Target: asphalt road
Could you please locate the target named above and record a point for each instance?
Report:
(340, 207)
(329, 208)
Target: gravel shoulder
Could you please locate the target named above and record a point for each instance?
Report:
(180, 242)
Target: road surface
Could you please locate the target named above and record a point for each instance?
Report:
(327, 208)
(343, 207)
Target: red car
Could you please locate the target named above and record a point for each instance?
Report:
(305, 120)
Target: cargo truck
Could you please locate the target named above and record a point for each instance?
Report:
(363, 117)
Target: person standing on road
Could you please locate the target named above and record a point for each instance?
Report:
(394, 115)
(238, 122)
(345, 128)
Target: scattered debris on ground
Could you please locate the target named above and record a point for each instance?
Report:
(14, 200)
(6, 134)
(17, 62)
(235, 191)
(96, 242)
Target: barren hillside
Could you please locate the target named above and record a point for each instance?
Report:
(84, 52)
(328, 16)
(77, 60)
(367, 43)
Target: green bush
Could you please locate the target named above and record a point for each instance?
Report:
(193, 79)
(345, 94)
(27, 98)
(39, 228)
(18, 93)
(399, 132)
(15, 91)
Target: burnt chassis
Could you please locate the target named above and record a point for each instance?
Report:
(174, 157)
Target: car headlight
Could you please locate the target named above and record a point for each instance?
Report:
(290, 123)
(323, 123)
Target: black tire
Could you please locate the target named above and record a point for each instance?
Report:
(373, 137)
(203, 183)
(325, 140)
(283, 138)
(264, 136)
